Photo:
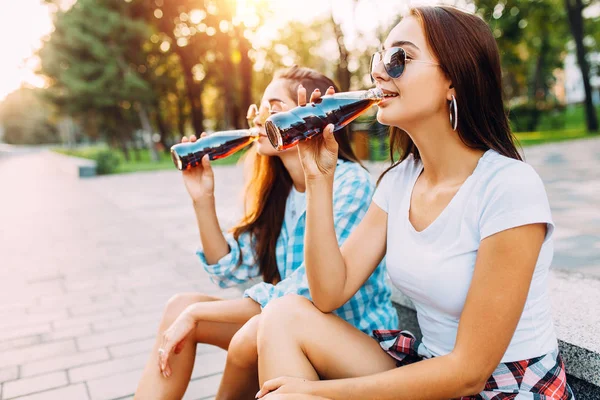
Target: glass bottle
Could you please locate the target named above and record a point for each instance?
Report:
(217, 145)
(286, 129)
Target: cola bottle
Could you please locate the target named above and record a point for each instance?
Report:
(217, 145)
(286, 129)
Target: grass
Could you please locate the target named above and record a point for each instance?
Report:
(539, 137)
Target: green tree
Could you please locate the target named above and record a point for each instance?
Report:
(576, 22)
(210, 40)
(532, 37)
(91, 60)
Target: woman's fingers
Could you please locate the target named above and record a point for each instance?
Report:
(184, 139)
(301, 95)
(328, 134)
(207, 169)
(193, 138)
(269, 386)
(203, 134)
(315, 95)
(330, 91)
(164, 353)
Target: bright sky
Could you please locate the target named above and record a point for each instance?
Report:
(24, 22)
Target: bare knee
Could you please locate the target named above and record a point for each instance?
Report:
(291, 307)
(285, 315)
(243, 350)
(179, 302)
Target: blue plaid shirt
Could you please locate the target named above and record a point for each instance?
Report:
(369, 309)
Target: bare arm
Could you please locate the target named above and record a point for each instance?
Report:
(334, 274)
(503, 272)
(200, 182)
(232, 311)
(214, 244)
(237, 311)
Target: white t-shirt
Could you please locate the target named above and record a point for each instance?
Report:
(294, 207)
(434, 267)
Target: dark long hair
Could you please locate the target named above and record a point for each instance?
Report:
(468, 54)
(270, 183)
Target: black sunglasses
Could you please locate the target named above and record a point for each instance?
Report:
(394, 61)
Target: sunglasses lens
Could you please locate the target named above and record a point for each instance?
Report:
(394, 61)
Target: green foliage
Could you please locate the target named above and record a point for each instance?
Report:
(529, 116)
(532, 37)
(91, 61)
(26, 118)
(107, 162)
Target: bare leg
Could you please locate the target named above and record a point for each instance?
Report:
(153, 385)
(296, 339)
(240, 379)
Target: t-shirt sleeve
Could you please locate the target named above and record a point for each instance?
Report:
(515, 196)
(384, 190)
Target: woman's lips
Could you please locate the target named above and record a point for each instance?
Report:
(387, 99)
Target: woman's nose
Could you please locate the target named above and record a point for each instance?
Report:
(378, 73)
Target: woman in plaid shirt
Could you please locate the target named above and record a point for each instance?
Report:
(267, 244)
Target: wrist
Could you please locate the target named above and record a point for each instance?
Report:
(319, 180)
(193, 312)
(202, 202)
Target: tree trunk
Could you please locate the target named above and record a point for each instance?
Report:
(188, 58)
(231, 109)
(343, 75)
(165, 136)
(574, 12)
(148, 129)
(245, 74)
(537, 93)
(194, 94)
(181, 116)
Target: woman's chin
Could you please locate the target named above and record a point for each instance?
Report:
(383, 117)
(389, 117)
(264, 148)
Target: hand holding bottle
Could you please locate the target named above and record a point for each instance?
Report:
(199, 181)
(318, 155)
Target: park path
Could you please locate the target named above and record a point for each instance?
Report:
(86, 266)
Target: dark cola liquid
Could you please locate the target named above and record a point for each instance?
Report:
(286, 129)
(218, 145)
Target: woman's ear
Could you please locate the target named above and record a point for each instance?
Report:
(451, 92)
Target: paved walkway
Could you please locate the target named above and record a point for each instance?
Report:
(87, 265)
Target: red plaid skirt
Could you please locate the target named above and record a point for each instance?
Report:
(540, 378)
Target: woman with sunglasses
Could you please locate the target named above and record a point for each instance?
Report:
(267, 244)
(465, 226)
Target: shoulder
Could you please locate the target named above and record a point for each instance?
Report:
(501, 173)
(511, 194)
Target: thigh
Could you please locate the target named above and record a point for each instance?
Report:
(216, 333)
(335, 348)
